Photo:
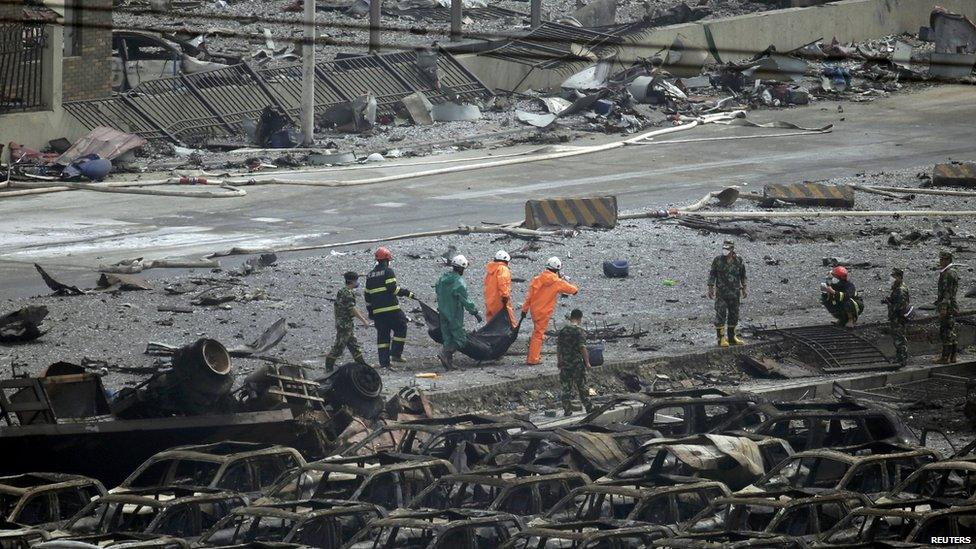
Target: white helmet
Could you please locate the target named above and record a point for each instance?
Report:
(554, 263)
(502, 255)
(460, 261)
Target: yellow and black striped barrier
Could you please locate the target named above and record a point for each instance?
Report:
(812, 194)
(955, 174)
(598, 211)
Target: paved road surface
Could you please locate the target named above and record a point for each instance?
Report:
(74, 232)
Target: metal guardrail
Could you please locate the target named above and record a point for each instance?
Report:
(194, 107)
(21, 67)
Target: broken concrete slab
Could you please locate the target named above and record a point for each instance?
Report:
(811, 194)
(953, 33)
(951, 65)
(955, 174)
(902, 54)
(419, 108)
(777, 65)
(455, 112)
(535, 119)
(598, 13)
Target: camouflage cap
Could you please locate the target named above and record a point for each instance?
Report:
(895, 271)
(728, 244)
(945, 254)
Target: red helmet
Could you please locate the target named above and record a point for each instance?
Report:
(383, 254)
(839, 272)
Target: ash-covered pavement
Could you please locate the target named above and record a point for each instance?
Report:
(664, 296)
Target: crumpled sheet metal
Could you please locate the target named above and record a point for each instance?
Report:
(265, 342)
(23, 324)
(534, 119)
(58, 287)
(705, 457)
(599, 449)
(106, 142)
(743, 450)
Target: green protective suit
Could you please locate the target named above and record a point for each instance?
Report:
(452, 301)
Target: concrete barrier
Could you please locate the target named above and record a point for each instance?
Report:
(739, 37)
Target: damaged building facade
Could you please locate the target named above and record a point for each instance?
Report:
(50, 55)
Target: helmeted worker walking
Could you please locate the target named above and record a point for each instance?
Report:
(899, 307)
(572, 359)
(541, 302)
(727, 285)
(498, 287)
(383, 305)
(840, 298)
(948, 308)
(345, 311)
(452, 301)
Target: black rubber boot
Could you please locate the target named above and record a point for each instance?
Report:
(447, 359)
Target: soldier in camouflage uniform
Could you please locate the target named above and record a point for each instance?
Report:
(726, 283)
(948, 308)
(572, 361)
(345, 311)
(898, 310)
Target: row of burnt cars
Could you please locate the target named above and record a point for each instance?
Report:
(696, 468)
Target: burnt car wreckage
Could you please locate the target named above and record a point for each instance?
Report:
(293, 462)
(66, 411)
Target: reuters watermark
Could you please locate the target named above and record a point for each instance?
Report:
(950, 540)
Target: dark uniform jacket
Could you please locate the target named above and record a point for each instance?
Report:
(727, 277)
(898, 303)
(382, 291)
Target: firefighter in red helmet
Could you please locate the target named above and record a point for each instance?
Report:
(383, 305)
(840, 297)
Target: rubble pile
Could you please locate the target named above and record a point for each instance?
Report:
(612, 96)
(266, 32)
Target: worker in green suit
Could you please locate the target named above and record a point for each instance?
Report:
(452, 301)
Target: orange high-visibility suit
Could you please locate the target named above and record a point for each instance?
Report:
(541, 302)
(498, 290)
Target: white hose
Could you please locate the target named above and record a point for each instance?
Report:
(566, 152)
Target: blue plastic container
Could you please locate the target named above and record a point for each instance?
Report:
(618, 268)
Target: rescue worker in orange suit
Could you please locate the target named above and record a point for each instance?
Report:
(382, 304)
(498, 287)
(541, 302)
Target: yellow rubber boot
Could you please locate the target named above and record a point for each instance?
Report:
(720, 332)
(734, 338)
